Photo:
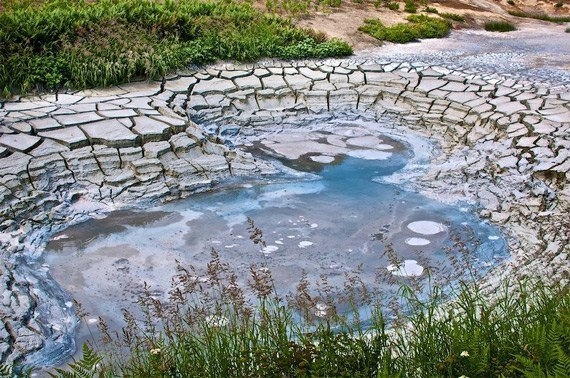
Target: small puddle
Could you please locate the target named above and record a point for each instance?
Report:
(336, 219)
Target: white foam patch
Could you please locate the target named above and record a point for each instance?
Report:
(322, 159)
(493, 237)
(314, 225)
(408, 269)
(364, 141)
(305, 244)
(278, 242)
(417, 241)
(269, 249)
(60, 237)
(427, 227)
(369, 154)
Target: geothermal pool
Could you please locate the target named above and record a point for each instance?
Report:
(325, 215)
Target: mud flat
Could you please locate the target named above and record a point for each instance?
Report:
(503, 140)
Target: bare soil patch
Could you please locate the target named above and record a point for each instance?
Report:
(343, 21)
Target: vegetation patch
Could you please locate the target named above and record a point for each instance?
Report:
(419, 26)
(453, 17)
(78, 44)
(499, 26)
(392, 5)
(541, 16)
(208, 328)
(410, 6)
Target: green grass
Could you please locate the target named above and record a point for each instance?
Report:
(499, 26)
(419, 26)
(541, 16)
(78, 44)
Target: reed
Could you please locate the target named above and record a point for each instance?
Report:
(211, 326)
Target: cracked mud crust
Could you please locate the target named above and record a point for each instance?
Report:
(501, 118)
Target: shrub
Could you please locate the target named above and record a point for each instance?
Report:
(392, 5)
(419, 26)
(499, 26)
(453, 16)
(430, 10)
(567, 30)
(308, 47)
(511, 2)
(410, 6)
(559, 4)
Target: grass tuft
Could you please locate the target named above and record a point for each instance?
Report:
(499, 26)
(453, 17)
(410, 6)
(541, 16)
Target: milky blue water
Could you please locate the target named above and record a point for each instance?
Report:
(336, 220)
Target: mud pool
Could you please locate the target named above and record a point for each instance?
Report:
(326, 215)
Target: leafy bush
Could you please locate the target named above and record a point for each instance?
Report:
(81, 43)
(431, 10)
(499, 26)
(567, 30)
(419, 26)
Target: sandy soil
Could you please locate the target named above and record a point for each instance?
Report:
(343, 22)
